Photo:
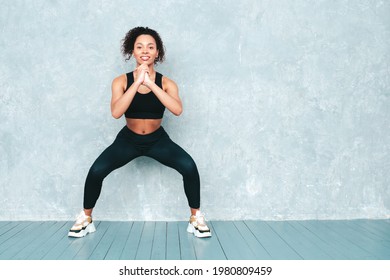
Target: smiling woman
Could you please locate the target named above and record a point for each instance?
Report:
(142, 96)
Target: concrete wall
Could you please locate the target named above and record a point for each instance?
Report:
(286, 108)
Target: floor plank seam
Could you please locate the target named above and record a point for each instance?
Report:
(178, 234)
(299, 255)
(219, 241)
(348, 240)
(246, 224)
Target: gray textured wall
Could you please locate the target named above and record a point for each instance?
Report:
(286, 108)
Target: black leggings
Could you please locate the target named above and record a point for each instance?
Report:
(128, 146)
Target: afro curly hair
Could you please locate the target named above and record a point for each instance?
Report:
(131, 36)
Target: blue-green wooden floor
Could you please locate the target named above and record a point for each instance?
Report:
(232, 240)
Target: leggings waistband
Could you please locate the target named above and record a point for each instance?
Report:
(155, 135)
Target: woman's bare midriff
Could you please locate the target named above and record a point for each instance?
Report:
(143, 126)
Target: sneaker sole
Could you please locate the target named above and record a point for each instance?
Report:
(89, 229)
(197, 233)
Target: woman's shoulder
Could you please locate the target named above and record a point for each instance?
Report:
(168, 83)
(120, 81)
(121, 78)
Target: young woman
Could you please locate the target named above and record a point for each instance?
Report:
(142, 96)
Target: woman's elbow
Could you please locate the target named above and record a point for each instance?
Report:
(116, 115)
(178, 112)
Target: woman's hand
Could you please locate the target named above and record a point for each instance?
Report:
(140, 73)
(147, 81)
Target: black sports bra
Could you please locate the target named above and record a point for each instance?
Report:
(145, 105)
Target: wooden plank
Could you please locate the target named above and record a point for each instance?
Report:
(116, 249)
(89, 243)
(236, 250)
(332, 237)
(383, 225)
(259, 251)
(146, 243)
(370, 242)
(130, 249)
(104, 244)
(13, 244)
(376, 228)
(380, 226)
(305, 247)
(63, 243)
(159, 241)
(73, 245)
(49, 228)
(369, 230)
(6, 226)
(338, 235)
(4, 223)
(208, 248)
(308, 230)
(11, 233)
(173, 241)
(51, 242)
(272, 242)
(335, 239)
(374, 249)
(187, 251)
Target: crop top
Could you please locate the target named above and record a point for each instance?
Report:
(145, 105)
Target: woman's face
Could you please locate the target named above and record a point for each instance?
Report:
(145, 49)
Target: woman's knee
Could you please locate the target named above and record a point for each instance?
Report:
(98, 172)
(188, 167)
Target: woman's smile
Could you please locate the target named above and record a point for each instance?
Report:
(145, 58)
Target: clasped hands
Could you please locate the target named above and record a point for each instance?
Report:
(142, 75)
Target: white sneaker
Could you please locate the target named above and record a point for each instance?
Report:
(82, 226)
(197, 225)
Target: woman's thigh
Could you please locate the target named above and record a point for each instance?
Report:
(170, 154)
(119, 153)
